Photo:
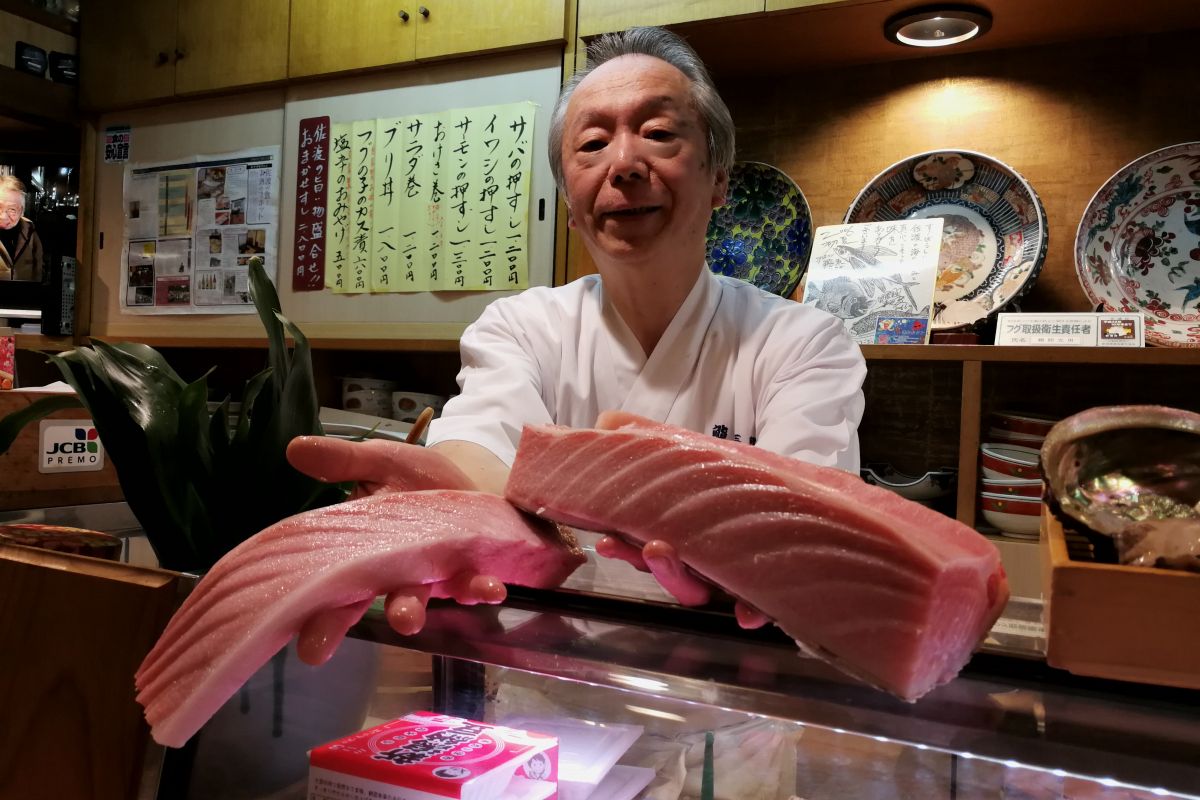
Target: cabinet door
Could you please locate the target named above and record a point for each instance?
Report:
(128, 48)
(353, 34)
(225, 43)
(602, 16)
(469, 26)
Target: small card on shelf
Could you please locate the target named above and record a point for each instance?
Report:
(1103, 329)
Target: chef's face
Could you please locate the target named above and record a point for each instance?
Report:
(635, 164)
(12, 206)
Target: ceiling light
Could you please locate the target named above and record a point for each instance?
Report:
(937, 26)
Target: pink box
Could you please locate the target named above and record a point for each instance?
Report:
(426, 756)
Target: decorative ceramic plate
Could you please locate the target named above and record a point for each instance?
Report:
(1138, 244)
(993, 230)
(763, 233)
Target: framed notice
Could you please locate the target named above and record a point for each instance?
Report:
(191, 228)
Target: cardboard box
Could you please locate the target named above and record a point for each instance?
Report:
(426, 756)
(1114, 621)
(25, 485)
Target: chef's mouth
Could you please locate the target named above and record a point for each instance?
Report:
(627, 213)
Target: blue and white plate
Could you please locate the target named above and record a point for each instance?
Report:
(763, 232)
(994, 232)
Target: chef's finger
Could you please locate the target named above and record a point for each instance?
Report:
(749, 617)
(666, 567)
(379, 464)
(405, 609)
(323, 632)
(612, 547)
(469, 588)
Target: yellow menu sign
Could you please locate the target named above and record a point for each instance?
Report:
(431, 202)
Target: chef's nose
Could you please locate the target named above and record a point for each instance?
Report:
(628, 161)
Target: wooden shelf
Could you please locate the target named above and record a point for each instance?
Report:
(258, 342)
(35, 341)
(26, 10)
(32, 99)
(1180, 356)
(829, 35)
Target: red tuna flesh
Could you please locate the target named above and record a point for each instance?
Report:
(886, 589)
(256, 598)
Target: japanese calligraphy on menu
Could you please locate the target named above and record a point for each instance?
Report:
(430, 202)
(878, 277)
(312, 172)
(191, 228)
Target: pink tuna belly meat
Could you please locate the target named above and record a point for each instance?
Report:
(259, 595)
(886, 589)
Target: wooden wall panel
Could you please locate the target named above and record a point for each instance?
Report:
(1065, 116)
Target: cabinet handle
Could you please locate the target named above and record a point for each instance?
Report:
(161, 59)
(180, 54)
(424, 12)
(403, 15)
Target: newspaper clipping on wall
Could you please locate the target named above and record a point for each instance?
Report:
(191, 228)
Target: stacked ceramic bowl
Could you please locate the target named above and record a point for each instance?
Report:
(368, 396)
(1011, 495)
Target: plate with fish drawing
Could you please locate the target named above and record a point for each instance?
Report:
(763, 232)
(994, 232)
(1138, 244)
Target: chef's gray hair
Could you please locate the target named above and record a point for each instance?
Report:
(666, 46)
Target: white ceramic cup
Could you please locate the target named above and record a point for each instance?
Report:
(407, 406)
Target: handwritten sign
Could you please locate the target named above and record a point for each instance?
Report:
(312, 167)
(337, 251)
(431, 202)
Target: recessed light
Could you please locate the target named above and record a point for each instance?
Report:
(937, 26)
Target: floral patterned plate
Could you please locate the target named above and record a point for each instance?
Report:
(1138, 245)
(763, 233)
(994, 231)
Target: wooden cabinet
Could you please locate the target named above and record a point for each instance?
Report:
(226, 43)
(328, 38)
(602, 16)
(453, 27)
(127, 52)
(333, 37)
(137, 51)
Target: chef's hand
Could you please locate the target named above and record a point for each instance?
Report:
(404, 608)
(660, 560)
(376, 466)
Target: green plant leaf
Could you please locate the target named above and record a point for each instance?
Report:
(182, 469)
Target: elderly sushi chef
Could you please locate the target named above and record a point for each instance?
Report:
(641, 146)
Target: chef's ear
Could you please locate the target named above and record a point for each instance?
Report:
(570, 216)
(720, 187)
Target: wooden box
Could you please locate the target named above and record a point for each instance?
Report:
(23, 486)
(1113, 621)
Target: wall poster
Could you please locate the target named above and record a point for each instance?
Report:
(191, 227)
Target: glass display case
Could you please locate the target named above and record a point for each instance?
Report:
(719, 712)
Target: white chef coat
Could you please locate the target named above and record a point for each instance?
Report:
(736, 362)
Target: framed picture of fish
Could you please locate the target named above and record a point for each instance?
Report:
(878, 277)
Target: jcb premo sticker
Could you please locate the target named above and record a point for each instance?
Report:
(69, 445)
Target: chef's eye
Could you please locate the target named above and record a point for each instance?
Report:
(591, 146)
(660, 135)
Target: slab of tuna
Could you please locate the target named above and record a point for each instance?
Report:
(258, 596)
(884, 588)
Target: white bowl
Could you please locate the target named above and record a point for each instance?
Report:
(930, 486)
(1009, 461)
(1019, 516)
